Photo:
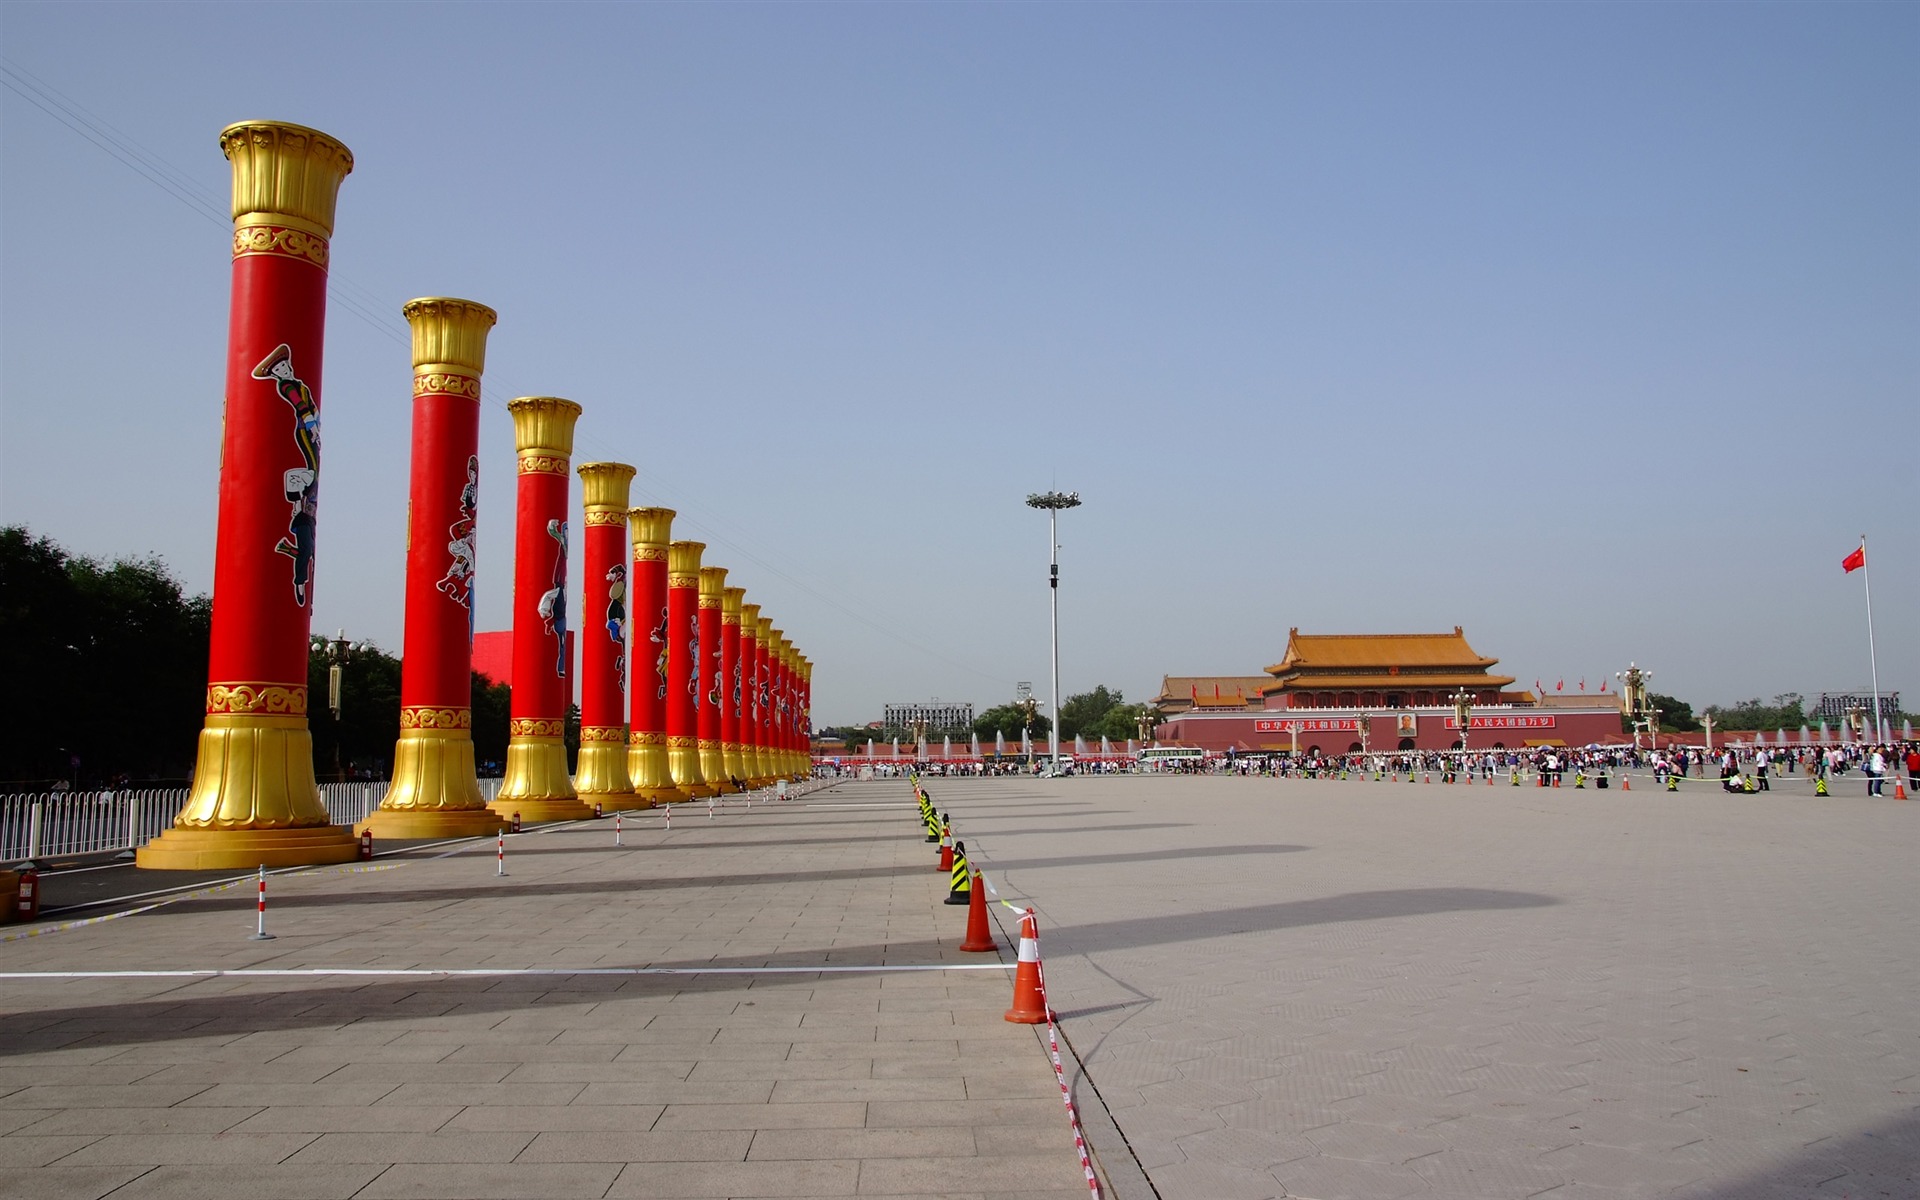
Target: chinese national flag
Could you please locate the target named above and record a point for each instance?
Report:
(1853, 562)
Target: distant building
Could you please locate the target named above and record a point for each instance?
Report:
(940, 717)
(1832, 706)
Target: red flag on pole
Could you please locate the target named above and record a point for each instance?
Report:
(1560, 685)
(1583, 683)
(1853, 562)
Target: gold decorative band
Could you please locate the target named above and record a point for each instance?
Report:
(685, 581)
(617, 734)
(436, 718)
(728, 618)
(676, 742)
(709, 602)
(274, 699)
(607, 516)
(645, 737)
(649, 554)
(280, 241)
(543, 464)
(536, 727)
(445, 383)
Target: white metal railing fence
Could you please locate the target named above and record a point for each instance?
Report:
(36, 825)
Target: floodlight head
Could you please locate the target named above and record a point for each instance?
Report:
(1053, 500)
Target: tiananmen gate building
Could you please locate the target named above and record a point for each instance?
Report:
(1403, 683)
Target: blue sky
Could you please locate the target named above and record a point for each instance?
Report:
(1591, 328)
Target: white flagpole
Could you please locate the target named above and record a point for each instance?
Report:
(1873, 663)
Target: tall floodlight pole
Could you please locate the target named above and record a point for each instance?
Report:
(1053, 502)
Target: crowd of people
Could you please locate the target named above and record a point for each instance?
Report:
(1743, 769)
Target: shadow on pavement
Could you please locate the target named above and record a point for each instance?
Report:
(1017, 864)
(1290, 914)
(1882, 1161)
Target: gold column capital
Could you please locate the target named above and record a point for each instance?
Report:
(730, 599)
(763, 631)
(651, 526)
(285, 174)
(543, 425)
(449, 334)
(683, 563)
(713, 581)
(605, 485)
(749, 619)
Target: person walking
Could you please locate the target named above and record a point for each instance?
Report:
(1876, 773)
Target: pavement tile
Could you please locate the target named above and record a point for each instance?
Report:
(69, 1183)
(679, 1145)
(541, 1118)
(818, 1115)
(249, 1181)
(492, 1181)
(189, 1148)
(344, 1119)
(657, 1181)
(943, 1141)
(34, 1150)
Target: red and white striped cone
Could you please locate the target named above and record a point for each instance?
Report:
(946, 844)
(260, 933)
(1029, 995)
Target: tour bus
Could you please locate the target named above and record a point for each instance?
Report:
(1150, 755)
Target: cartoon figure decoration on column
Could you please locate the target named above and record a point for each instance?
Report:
(457, 583)
(301, 484)
(659, 638)
(553, 602)
(617, 619)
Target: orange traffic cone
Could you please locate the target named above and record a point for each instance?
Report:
(1626, 785)
(1899, 790)
(946, 843)
(979, 936)
(1029, 997)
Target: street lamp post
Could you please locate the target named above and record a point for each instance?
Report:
(1463, 715)
(1635, 701)
(339, 652)
(1053, 502)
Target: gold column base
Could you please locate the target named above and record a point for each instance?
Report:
(253, 802)
(602, 776)
(683, 766)
(647, 768)
(435, 793)
(243, 849)
(713, 766)
(736, 762)
(536, 784)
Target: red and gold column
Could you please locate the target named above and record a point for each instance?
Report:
(731, 758)
(763, 634)
(537, 786)
(713, 682)
(804, 714)
(434, 793)
(647, 743)
(683, 668)
(777, 716)
(750, 755)
(601, 777)
(783, 708)
(253, 799)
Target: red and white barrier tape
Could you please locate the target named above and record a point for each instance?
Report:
(1060, 1074)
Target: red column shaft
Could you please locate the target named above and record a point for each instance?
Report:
(603, 653)
(540, 664)
(442, 507)
(263, 571)
(712, 684)
(729, 682)
(651, 645)
(683, 637)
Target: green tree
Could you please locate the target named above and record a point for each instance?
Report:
(1081, 715)
(106, 662)
(1008, 720)
(492, 708)
(1676, 716)
(1787, 711)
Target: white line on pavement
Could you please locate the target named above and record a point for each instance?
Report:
(410, 972)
